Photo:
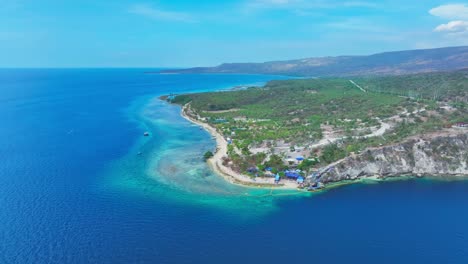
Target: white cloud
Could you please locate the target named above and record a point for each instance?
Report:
(453, 27)
(159, 14)
(457, 14)
(451, 11)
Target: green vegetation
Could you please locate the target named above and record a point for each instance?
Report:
(292, 110)
(332, 153)
(307, 164)
(273, 124)
(443, 86)
(207, 155)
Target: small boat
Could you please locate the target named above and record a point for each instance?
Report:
(146, 134)
(139, 153)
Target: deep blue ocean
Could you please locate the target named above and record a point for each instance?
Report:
(74, 190)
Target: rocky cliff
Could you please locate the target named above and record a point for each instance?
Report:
(445, 155)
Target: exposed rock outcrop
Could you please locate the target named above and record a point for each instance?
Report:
(445, 155)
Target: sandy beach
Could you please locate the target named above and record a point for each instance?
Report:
(227, 173)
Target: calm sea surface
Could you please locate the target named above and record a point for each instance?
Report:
(73, 188)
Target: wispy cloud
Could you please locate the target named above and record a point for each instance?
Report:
(451, 11)
(265, 4)
(357, 24)
(360, 4)
(302, 6)
(160, 14)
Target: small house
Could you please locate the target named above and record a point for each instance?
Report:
(299, 158)
(292, 175)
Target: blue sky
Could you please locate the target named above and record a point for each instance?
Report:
(124, 33)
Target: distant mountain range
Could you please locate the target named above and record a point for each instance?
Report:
(387, 63)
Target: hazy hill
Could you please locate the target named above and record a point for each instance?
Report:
(387, 63)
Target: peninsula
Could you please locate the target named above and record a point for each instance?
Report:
(309, 133)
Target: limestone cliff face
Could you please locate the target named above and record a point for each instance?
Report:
(435, 156)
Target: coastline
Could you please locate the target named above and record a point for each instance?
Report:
(215, 162)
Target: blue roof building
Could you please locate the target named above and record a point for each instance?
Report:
(291, 174)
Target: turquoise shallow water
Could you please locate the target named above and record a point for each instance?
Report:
(170, 165)
(74, 190)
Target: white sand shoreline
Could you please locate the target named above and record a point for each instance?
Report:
(228, 174)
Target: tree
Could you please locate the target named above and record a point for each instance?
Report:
(230, 149)
(207, 155)
(332, 153)
(275, 162)
(306, 164)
